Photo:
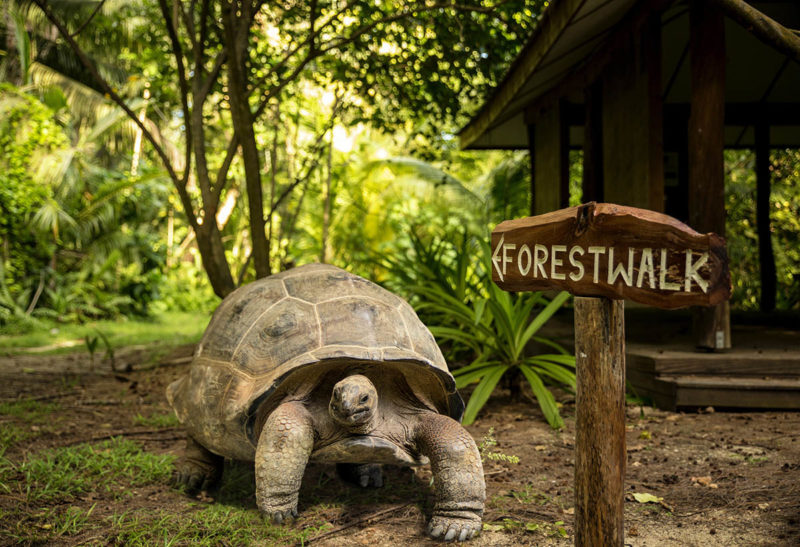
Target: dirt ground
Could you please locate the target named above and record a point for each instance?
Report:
(717, 478)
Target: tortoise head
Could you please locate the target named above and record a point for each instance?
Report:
(354, 402)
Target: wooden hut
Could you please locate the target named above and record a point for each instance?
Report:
(652, 91)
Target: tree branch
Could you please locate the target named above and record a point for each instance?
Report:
(222, 172)
(95, 11)
(188, 21)
(762, 27)
(201, 38)
(205, 87)
(183, 85)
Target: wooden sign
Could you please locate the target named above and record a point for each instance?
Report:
(601, 249)
(612, 252)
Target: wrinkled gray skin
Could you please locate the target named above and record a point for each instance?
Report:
(353, 410)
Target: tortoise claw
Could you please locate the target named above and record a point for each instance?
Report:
(279, 517)
(453, 529)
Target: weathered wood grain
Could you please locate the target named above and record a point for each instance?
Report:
(648, 253)
(711, 328)
(600, 454)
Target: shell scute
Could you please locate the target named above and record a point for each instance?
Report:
(370, 323)
(317, 286)
(235, 314)
(423, 341)
(288, 330)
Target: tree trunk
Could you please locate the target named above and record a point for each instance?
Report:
(236, 20)
(766, 255)
(212, 253)
(326, 211)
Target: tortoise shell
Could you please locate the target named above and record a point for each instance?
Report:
(290, 329)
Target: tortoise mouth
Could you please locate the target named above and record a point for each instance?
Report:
(357, 417)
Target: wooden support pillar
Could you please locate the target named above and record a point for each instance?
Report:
(532, 157)
(766, 257)
(632, 128)
(711, 326)
(600, 453)
(593, 144)
(550, 160)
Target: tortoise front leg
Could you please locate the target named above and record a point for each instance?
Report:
(457, 475)
(282, 453)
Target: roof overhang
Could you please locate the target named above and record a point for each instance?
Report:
(569, 34)
(566, 34)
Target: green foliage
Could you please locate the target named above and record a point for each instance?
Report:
(27, 133)
(77, 236)
(185, 288)
(455, 295)
(65, 473)
(487, 444)
(741, 229)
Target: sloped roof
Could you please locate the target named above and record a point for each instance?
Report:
(571, 31)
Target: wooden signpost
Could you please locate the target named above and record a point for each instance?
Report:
(603, 253)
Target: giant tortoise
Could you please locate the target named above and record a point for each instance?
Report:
(317, 364)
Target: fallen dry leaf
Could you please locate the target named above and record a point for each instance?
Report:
(644, 497)
(704, 481)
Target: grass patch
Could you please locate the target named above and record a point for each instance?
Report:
(68, 472)
(215, 524)
(29, 411)
(174, 328)
(7, 469)
(157, 420)
(530, 496)
(49, 524)
(11, 434)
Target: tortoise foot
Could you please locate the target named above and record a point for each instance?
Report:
(198, 470)
(363, 475)
(280, 516)
(454, 528)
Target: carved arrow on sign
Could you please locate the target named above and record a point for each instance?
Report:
(496, 258)
(601, 249)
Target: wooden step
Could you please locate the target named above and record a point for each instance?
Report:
(736, 362)
(671, 392)
(742, 392)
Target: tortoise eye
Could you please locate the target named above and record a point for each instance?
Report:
(364, 399)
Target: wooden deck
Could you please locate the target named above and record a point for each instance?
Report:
(761, 371)
(738, 378)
